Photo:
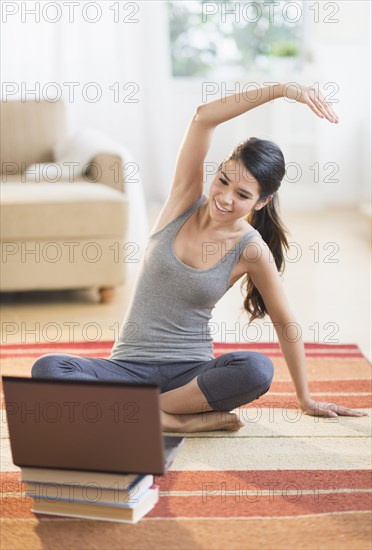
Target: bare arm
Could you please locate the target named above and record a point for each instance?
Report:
(264, 275)
(188, 178)
(187, 183)
(226, 108)
(189, 165)
(220, 110)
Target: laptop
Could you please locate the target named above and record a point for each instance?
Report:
(93, 425)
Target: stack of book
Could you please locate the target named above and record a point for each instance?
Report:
(91, 495)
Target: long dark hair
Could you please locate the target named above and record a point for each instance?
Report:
(265, 161)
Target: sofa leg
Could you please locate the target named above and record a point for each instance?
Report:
(107, 294)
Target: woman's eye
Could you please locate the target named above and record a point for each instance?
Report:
(224, 182)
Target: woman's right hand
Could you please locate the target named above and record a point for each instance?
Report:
(312, 98)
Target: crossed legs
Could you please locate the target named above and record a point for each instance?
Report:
(193, 399)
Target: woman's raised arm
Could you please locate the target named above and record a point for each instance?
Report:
(187, 183)
(188, 178)
(220, 110)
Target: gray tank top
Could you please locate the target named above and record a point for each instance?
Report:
(171, 302)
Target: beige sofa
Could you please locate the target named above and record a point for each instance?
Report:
(57, 234)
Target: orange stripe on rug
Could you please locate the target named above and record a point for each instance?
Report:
(103, 353)
(103, 349)
(221, 345)
(291, 402)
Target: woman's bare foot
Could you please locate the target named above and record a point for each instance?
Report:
(200, 422)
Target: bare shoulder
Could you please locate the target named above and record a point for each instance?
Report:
(256, 253)
(176, 204)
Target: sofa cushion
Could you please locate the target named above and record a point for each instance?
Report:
(29, 131)
(59, 210)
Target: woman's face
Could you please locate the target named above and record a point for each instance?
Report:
(234, 190)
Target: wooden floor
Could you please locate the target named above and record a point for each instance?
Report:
(327, 281)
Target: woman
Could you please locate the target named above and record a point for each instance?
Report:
(199, 247)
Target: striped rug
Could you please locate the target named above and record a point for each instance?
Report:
(284, 481)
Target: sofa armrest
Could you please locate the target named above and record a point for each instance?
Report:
(108, 169)
(96, 156)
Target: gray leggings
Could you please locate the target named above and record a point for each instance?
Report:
(228, 381)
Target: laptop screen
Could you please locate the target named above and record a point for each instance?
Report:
(84, 425)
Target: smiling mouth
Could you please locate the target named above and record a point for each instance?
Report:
(220, 208)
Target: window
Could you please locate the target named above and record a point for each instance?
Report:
(232, 38)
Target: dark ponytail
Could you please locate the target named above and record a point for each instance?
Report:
(265, 161)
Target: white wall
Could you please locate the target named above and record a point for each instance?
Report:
(107, 52)
(343, 55)
(341, 67)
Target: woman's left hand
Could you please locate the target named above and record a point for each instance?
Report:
(313, 99)
(318, 408)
